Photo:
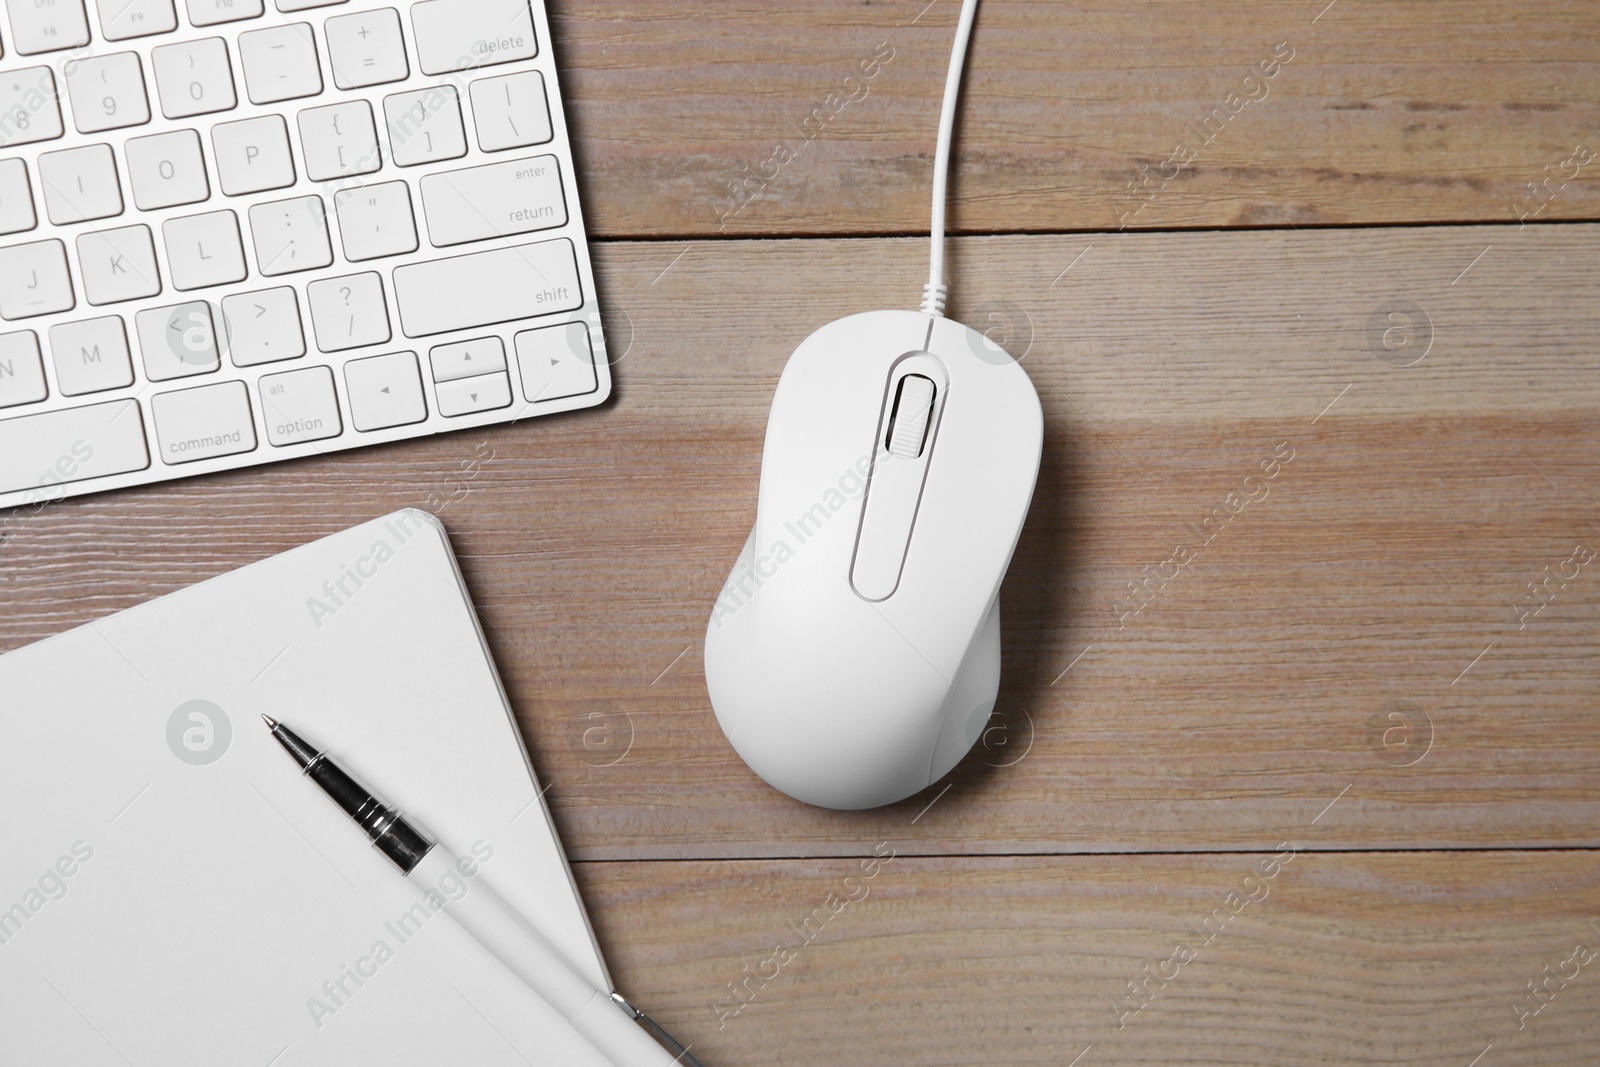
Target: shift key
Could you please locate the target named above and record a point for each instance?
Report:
(485, 288)
(40, 452)
(499, 200)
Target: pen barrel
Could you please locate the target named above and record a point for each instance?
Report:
(525, 952)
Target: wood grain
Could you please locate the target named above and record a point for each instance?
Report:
(1347, 958)
(1392, 112)
(1251, 699)
(1346, 659)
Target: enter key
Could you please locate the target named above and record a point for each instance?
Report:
(498, 200)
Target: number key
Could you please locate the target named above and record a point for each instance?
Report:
(108, 92)
(194, 78)
(29, 110)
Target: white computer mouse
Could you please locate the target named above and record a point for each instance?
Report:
(853, 656)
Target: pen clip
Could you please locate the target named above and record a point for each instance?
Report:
(680, 1052)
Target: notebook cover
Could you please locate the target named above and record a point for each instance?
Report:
(173, 891)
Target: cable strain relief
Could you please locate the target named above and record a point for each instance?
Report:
(933, 298)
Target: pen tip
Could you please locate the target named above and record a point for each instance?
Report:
(272, 724)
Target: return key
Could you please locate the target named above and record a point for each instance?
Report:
(499, 200)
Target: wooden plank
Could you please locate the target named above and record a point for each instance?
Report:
(1340, 958)
(1377, 575)
(694, 118)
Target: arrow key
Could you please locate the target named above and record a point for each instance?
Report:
(468, 359)
(469, 396)
(556, 362)
(385, 391)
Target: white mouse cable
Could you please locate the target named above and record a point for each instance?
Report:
(934, 293)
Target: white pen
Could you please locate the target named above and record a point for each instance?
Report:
(608, 1022)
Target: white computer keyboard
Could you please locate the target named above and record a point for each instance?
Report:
(239, 231)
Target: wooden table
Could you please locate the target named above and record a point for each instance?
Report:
(1321, 786)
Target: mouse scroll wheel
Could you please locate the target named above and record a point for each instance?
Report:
(908, 422)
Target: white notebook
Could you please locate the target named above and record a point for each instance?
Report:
(173, 891)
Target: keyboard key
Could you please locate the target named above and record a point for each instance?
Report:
(166, 170)
(263, 327)
(461, 34)
(80, 184)
(29, 110)
(122, 20)
(194, 78)
(291, 236)
(16, 198)
(302, 5)
(204, 423)
(214, 12)
(384, 391)
(300, 406)
(21, 370)
(280, 63)
(425, 126)
(91, 356)
(107, 92)
(499, 200)
(46, 283)
(253, 155)
(47, 25)
(71, 445)
(204, 250)
(487, 287)
(376, 221)
(339, 140)
(556, 362)
(178, 342)
(348, 312)
(472, 396)
(366, 49)
(511, 111)
(468, 359)
(118, 265)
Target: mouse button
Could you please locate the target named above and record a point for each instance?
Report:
(886, 523)
(988, 351)
(912, 402)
